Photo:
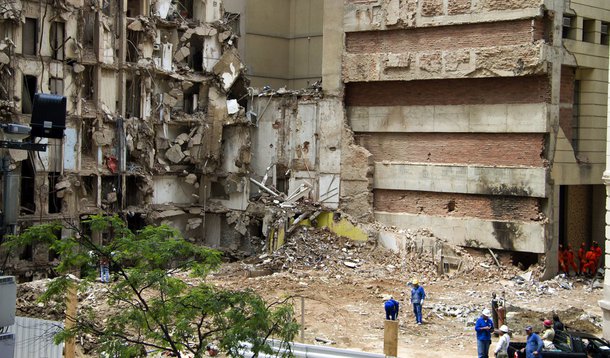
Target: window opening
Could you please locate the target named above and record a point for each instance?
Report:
(57, 39)
(28, 89)
(29, 40)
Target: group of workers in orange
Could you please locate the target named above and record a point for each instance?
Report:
(588, 259)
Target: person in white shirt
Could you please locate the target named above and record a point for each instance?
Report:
(501, 350)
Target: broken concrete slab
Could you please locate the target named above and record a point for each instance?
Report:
(229, 68)
(191, 179)
(175, 154)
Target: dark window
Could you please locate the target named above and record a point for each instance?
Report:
(54, 201)
(28, 89)
(576, 115)
(604, 33)
(588, 30)
(56, 86)
(568, 27)
(29, 37)
(56, 38)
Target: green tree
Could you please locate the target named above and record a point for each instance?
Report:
(152, 308)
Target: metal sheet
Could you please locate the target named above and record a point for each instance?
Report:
(34, 338)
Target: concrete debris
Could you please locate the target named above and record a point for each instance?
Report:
(4, 59)
(175, 154)
(228, 68)
(191, 179)
(232, 106)
(78, 68)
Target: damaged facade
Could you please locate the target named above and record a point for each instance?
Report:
(162, 125)
(484, 119)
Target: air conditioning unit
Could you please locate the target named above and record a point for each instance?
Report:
(567, 21)
(8, 297)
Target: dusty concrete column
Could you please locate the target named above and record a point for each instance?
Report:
(332, 47)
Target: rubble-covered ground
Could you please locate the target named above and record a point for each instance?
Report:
(344, 284)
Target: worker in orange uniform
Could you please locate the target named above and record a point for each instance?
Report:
(598, 253)
(561, 259)
(581, 256)
(568, 259)
(589, 266)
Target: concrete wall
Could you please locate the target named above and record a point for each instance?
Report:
(303, 138)
(281, 41)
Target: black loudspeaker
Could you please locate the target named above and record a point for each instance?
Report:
(48, 116)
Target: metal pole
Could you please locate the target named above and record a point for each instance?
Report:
(10, 196)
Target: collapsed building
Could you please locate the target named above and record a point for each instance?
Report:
(482, 121)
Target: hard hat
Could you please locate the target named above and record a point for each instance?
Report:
(415, 281)
(528, 328)
(504, 328)
(486, 312)
(547, 323)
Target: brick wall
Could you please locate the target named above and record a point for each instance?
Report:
(457, 205)
(445, 38)
(532, 89)
(514, 149)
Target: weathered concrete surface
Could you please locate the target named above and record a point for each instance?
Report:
(506, 61)
(461, 179)
(391, 14)
(472, 232)
(492, 118)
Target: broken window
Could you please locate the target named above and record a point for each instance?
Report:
(88, 81)
(54, 201)
(27, 253)
(5, 82)
(217, 191)
(28, 187)
(89, 185)
(588, 30)
(89, 29)
(196, 54)
(133, 43)
(232, 20)
(604, 34)
(56, 38)
(106, 7)
(29, 37)
(191, 99)
(6, 30)
(134, 8)
(28, 89)
(184, 8)
(133, 98)
(56, 86)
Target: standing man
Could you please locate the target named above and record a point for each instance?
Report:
(569, 260)
(581, 257)
(484, 326)
(494, 309)
(533, 345)
(417, 300)
(391, 309)
(104, 269)
(501, 350)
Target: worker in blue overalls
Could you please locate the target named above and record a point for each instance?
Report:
(417, 300)
(391, 309)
